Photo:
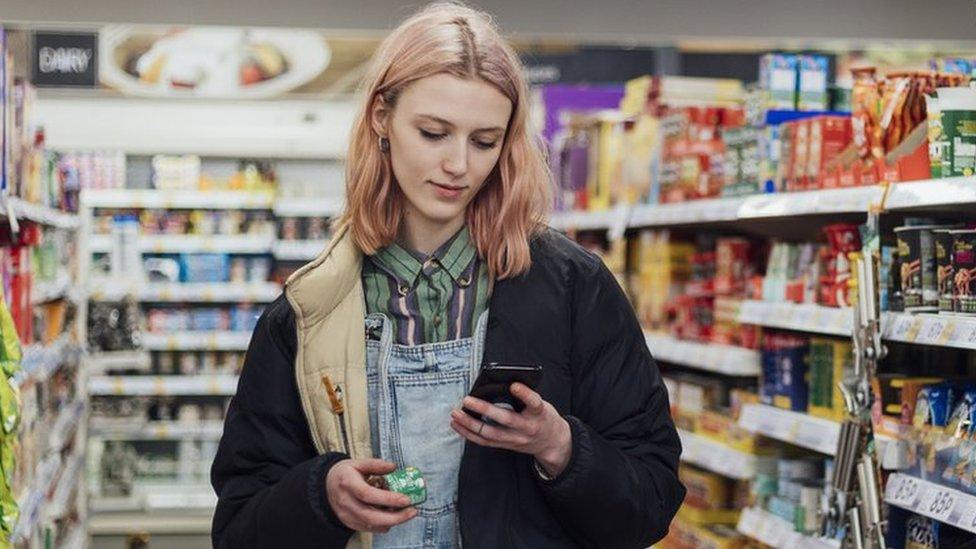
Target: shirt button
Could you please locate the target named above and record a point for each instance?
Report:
(437, 320)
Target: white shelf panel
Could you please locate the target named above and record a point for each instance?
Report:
(299, 250)
(28, 211)
(65, 425)
(937, 502)
(119, 360)
(177, 199)
(180, 243)
(203, 292)
(723, 359)
(942, 330)
(583, 221)
(59, 503)
(308, 207)
(129, 518)
(162, 385)
(156, 430)
(716, 457)
(39, 362)
(44, 291)
(791, 316)
(159, 497)
(804, 430)
(196, 341)
(904, 196)
(773, 531)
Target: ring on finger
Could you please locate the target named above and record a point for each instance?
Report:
(482, 427)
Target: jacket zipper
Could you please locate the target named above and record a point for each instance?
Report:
(338, 408)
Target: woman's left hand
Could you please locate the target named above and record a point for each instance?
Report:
(538, 430)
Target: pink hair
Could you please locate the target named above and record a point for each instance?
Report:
(514, 203)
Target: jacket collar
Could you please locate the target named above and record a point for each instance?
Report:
(318, 287)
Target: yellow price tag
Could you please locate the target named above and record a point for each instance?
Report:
(172, 343)
(159, 386)
(207, 293)
(947, 331)
(161, 431)
(212, 342)
(118, 386)
(213, 386)
(912, 334)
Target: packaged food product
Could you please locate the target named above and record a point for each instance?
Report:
(964, 271)
(830, 360)
(408, 481)
(958, 113)
(916, 252)
(944, 269)
(932, 406)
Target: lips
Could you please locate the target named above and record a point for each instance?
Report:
(447, 187)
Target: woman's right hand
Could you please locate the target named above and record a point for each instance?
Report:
(360, 506)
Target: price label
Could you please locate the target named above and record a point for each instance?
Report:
(932, 329)
(172, 343)
(161, 431)
(159, 386)
(158, 245)
(212, 342)
(207, 293)
(965, 335)
(947, 332)
(905, 491)
(938, 504)
(914, 329)
(165, 293)
(967, 520)
(213, 386)
(902, 325)
(118, 386)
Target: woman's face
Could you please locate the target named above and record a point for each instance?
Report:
(445, 137)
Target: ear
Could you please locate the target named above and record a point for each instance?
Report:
(379, 116)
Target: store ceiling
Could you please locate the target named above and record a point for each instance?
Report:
(608, 21)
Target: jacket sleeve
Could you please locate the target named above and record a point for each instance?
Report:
(621, 487)
(269, 480)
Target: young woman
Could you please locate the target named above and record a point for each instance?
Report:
(441, 263)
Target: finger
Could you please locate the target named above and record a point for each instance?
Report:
(486, 431)
(533, 400)
(370, 495)
(373, 466)
(474, 437)
(506, 418)
(371, 519)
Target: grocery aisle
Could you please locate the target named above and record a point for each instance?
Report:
(795, 233)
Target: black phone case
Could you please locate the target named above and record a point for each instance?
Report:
(495, 379)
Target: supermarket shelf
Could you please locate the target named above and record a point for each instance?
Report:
(159, 523)
(181, 243)
(298, 250)
(60, 498)
(203, 292)
(791, 316)
(28, 211)
(937, 502)
(810, 432)
(583, 221)
(155, 430)
(198, 498)
(903, 196)
(118, 360)
(188, 199)
(722, 359)
(39, 362)
(773, 531)
(308, 207)
(197, 341)
(44, 291)
(31, 502)
(941, 330)
(64, 427)
(716, 457)
(930, 329)
(162, 385)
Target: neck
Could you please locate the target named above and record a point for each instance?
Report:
(424, 236)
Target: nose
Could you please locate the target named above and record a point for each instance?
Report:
(455, 160)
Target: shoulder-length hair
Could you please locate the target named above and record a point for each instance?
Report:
(513, 204)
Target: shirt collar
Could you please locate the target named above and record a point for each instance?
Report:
(406, 265)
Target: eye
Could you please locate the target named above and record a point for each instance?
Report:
(432, 136)
(485, 145)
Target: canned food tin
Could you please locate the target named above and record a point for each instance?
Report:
(964, 271)
(944, 269)
(918, 277)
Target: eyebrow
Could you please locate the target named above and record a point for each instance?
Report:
(448, 123)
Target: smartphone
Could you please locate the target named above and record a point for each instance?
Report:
(494, 384)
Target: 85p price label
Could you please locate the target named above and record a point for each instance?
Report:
(905, 492)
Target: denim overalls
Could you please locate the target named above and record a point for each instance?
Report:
(412, 390)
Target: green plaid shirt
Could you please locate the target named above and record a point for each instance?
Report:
(428, 299)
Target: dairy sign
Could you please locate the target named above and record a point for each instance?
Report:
(65, 59)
